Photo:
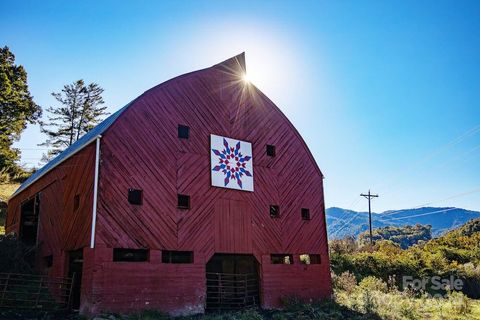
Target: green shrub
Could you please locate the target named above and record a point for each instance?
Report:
(371, 283)
(461, 304)
(346, 281)
(408, 310)
(369, 302)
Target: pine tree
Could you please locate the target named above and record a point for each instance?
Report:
(17, 109)
(81, 108)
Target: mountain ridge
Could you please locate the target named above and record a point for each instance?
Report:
(345, 222)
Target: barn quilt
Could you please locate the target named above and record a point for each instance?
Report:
(231, 163)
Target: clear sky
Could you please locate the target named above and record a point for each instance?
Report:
(385, 93)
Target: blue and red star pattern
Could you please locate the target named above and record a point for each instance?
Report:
(232, 163)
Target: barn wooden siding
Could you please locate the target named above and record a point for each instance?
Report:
(61, 229)
(141, 150)
(126, 286)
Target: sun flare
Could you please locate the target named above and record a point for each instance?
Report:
(246, 78)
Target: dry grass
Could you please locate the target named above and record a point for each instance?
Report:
(6, 190)
(398, 305)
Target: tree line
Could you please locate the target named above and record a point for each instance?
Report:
(454, 254)
(404, 236)
(80, 106)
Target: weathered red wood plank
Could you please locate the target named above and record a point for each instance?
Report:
(141, 150)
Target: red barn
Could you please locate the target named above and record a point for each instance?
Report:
(198, 195)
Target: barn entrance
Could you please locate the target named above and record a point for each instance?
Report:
(232, 282)
(29, 214)
(75, 267)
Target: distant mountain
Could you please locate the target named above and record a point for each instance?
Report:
(344, 222)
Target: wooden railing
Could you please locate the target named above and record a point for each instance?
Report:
(27, 291)
(231, 291)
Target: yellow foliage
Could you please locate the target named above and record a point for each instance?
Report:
(6, 190)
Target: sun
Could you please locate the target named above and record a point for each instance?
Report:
(246, 78)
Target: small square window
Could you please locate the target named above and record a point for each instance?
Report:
(48, 260)
(183, 132)
(76, 202)
(130, 255)
(270, 150)
(135, 196)
(315, 259)
(177, 256)
(310, 258)
(183, 201)
(274, 211)
(305, 214)
(281, 258)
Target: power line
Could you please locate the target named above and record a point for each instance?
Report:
(470, 132)
(422, 214)
(382, 219)
(459, 157)
(429, 203)
(431, 155)
(346, 224)
(369, 196)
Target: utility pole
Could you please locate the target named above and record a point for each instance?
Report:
(369, 196)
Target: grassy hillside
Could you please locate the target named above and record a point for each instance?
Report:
(456, 254)
(378, 279)
(6, 190)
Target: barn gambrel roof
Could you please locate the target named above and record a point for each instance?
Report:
(239, 63)
(92, 135)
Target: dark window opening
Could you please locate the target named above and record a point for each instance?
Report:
(177, 256)
(29, 214)
(310, 258)
(76, 202)
(183, 132)
(183, 201)
(305, 214)
(48, 260)
(281, 258)
(130, 255)
(135, 196)
(274, 211)
(270, 150)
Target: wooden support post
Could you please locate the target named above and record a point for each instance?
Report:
(69, 303)
(39, 292)
(5, 289)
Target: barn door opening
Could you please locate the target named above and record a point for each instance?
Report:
(29, 215)
(75, 267)
(232, 282)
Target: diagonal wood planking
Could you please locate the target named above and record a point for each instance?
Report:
(61, 228)
(141, 150)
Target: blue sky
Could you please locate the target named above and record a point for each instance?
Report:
(385, 93)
